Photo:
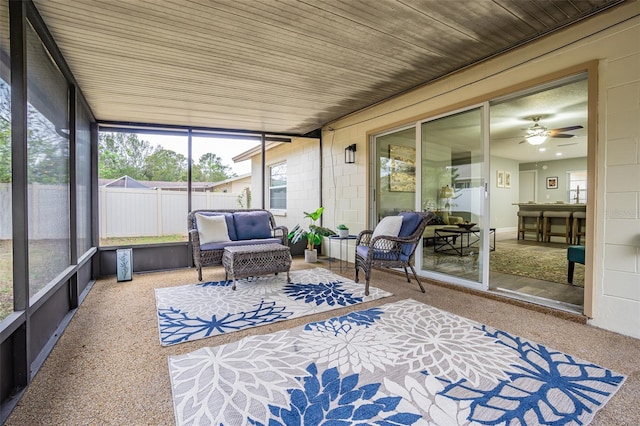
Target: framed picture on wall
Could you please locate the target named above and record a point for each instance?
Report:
(552, 182)
(507, 179)
(500, 179)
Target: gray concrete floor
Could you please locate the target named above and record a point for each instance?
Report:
(108, 367)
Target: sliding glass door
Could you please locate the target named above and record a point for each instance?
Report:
(453, 187)
(439, 166)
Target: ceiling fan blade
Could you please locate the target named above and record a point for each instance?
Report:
(522, 141)
(567, 144)
(561, 135)
(566, 129)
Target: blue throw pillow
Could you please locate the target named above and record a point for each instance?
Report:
(252, 225)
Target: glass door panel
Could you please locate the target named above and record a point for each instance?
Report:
(453, 188)
(395, 179)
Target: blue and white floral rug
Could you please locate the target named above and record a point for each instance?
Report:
(398, 364)
(201, 310)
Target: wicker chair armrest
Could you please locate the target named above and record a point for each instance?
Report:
(283, 232)
(194, 236)
(364, 237)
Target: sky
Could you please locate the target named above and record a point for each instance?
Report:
(224, 148)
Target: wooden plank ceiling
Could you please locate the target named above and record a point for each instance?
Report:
(280, 66)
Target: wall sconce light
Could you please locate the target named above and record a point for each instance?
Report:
(350, 154)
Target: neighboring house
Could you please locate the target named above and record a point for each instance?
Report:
(123, 182)
(129, 182)
(233, 185)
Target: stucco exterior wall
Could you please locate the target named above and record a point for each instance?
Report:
(612, 39)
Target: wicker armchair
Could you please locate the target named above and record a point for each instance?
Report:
(386, 251)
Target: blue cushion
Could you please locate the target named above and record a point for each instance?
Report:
(252, 225)
(363, 251)
(575, 254)
(228, 217)
(410, 221)
(222, 245)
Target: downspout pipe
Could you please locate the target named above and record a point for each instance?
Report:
(320, 173)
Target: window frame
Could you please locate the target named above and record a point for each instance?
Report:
(277, 210)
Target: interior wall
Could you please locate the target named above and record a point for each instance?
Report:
(559, 169)
(503, 213)
(610, 38)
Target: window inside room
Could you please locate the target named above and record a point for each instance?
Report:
(278, 186)
(577, 187)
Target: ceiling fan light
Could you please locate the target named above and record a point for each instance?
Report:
(537, 139)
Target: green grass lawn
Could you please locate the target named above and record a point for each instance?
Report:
(6, 278)
(132, 241)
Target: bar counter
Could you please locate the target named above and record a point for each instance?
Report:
(552, 207)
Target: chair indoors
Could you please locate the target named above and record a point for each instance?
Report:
(392, 244)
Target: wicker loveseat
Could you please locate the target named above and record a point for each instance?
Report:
(243, 227)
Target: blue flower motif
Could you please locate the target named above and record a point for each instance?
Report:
(330, 293)
(530, 387)
(176, 326)
(335, 401)
(223, 283)
(344, 323)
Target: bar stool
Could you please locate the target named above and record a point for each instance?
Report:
(579, 220)
(548, 218)
(522, 223)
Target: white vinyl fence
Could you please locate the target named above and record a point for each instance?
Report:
(126, 212)
(48, 203)
(123, 212)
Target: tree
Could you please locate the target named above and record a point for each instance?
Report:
(5, 133)
(211, 169)
(165, 165)
(121, 154)
(47, 148)
(5, 151)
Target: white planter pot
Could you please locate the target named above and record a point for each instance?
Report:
(311, 256)
(343, 233)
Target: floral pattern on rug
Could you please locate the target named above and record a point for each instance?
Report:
(399, 364)
(202, 310)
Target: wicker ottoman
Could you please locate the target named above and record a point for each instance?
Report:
(259, 259)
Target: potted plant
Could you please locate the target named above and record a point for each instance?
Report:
(343, 231)
(313, 234)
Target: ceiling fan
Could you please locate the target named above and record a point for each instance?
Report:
(538, 134)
